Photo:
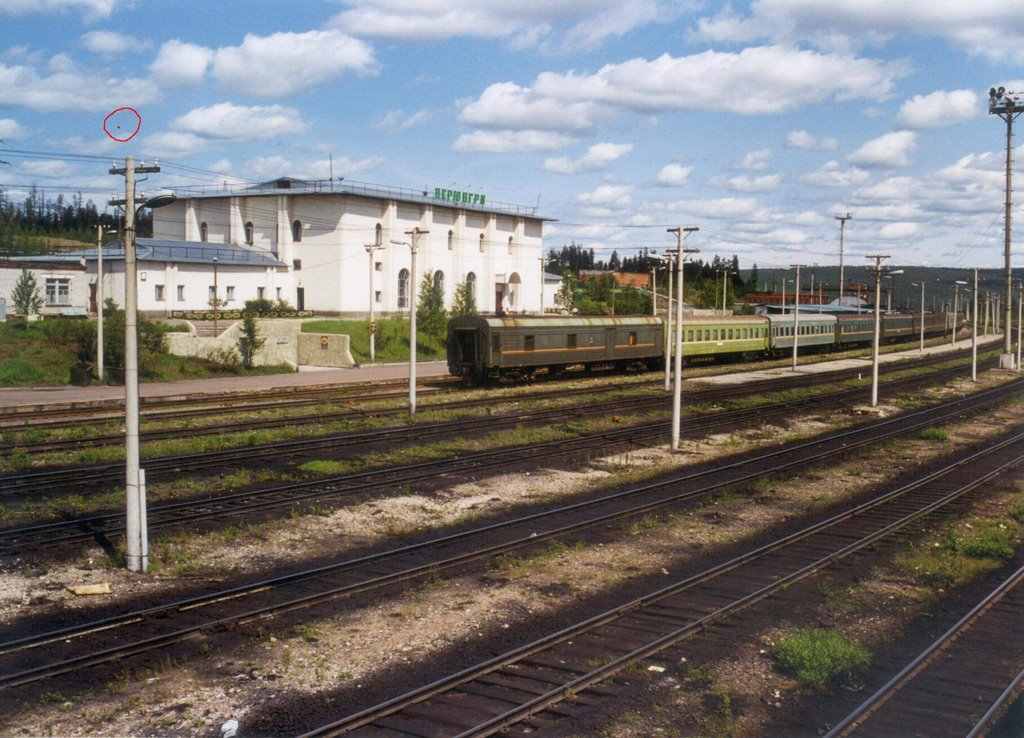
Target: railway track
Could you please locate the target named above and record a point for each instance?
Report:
(974, 669)
(534, 679)
(328, 396)
(95, 475)
(31, 651)
(15, 541)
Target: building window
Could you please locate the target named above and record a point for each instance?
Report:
(250, 233)
(403, 289)
(297, 231)
(376, 296)
(451, 240)
(296, 264)
(510, 245)
(632, 338)
(260, 292)
(481, 243)
(181, 293)
(213, 296)
(277, 293)
(471, 283)
(495, 342)
(378, 266)
(158, 292)
(378, 235)
(230, 294)
(204, 232)
(58, 291)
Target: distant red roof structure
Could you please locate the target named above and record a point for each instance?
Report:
(626, 279)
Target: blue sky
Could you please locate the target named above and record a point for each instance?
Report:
(757, 122)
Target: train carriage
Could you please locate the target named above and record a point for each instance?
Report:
(811, 330)
(728, 335)
(896, 326)
(855, 329)
(483, 347)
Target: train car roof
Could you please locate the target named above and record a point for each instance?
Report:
(719, 319)
(804, 318)
(555, 321)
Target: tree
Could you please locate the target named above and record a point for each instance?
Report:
(251, 341)
(566, 290)
(752, 279)
(463, 301)
(431, 316)
(26, 297)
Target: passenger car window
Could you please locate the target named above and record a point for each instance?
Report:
(570, 341)
(529, 342)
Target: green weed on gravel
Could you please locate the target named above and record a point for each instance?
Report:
(816, 656)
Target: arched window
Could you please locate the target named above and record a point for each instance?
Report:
(510, 245)
(297, 231)
(481, 243)
(378, 235)
(439, 280)
(403, 289)
(204, 232)
(250, 233)
(451, 239)
(471, 283)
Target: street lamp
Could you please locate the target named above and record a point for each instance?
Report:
(216, 301)
(370, 248)
(670, 264)
(796, 313)
(974, 332)
(136, 544)
(414, 235)
(956, 307)
(921, 285)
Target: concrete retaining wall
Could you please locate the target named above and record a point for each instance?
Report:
(324, 349)
(283, 344)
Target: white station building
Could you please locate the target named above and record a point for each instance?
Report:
(306, 243)
(330, 247)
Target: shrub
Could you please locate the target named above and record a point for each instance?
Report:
(18, 371)
(816, 656)
(933, 434)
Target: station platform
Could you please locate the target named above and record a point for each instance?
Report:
(305, 377)
(818, 367)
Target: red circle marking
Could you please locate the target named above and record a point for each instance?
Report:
(138, 124)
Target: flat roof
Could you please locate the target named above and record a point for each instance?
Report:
(177, 252)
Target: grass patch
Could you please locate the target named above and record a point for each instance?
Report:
(391, 344)
(816, 656)
(933, 434)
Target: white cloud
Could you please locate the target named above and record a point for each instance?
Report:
(525, 23)
(743, 183)
(173, 143)
(285, 63)
(267, 167)
(889, 150)
(510, 141)
(804, 140)
(396, 120)
(180, 64)
(609, 196)
(239, 122)
(47, 169)
(724, 207)
(938, 109)
(898, 231)
(110, 43)
(11, 130)
(672, 175)
(991, 29)
(342, 166)
(832, 175)
(90, 9)
(760, 80)
(598, 157)
(71, 90)
(757, 160)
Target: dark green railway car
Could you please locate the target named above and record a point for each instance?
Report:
(854, 329)
(896, 326)
(484, 347)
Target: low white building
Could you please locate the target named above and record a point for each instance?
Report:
(318, 232)
(62, 282)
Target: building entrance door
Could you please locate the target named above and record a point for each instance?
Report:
(300, 298)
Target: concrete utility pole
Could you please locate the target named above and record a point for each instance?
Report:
(1020, 319)
(654, 293)
(876, 271)
(974, 332)
(136, 545)
(413, 235)
(541, 309)
(921, 285)
(956, 306)
(1007, 106)
(99, 303)
(370, 249)
(842, 230)
(681, 233)
(796, 313)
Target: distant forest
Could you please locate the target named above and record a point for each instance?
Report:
(30, 225)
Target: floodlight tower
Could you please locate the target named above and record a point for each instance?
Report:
(1007, 106)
